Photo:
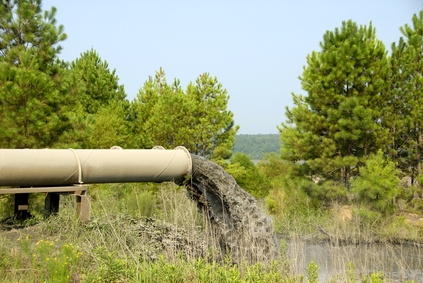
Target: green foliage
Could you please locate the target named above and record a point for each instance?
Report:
(291, 207)
(313, 272)
(289, 188)
(43, 261)
(45, 103)
(201, 271)
(57, 262)
(110, 268)
(351, 276)
(333, 127)
(378, 183)
(196, 118)
(162, 113)
(27, 30)
(94, 84)
(328, 192)
(417, 205)
(257, 146)
(376, 277)
(113, 248)
(100, 115)
(214, 129)
(32, 93)
(110, 127)
(276, 169)
(135, 200)
(289, 177)
(403, 112)
(248, 176)
(367, 217)
(6, 206)
(142, 108)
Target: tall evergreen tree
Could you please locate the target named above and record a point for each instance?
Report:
(213, 129)
(198, 119)
(96, 84)
(406, 124)
(160, 113)
(32, 89)
(338, 122)
(96, 94)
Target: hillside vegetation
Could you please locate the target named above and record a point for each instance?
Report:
(257, 146)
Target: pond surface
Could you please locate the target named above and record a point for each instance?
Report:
(398, 263)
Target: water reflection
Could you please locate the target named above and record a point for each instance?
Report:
(398, 263)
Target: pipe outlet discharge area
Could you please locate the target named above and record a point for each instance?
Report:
(239, 223)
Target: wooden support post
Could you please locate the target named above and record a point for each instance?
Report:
(83, 207)
(52, 200)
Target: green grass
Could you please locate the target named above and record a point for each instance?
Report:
(138, 233)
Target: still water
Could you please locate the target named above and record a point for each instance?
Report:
(398, 263)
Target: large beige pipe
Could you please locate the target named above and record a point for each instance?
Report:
(57, 167)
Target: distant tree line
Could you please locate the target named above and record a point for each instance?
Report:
(257, 146)
(47, 102)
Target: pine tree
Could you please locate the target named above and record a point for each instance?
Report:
(378, 183)
(213, 129)
(96, 94)
(166, 115)
(161, 113)
(96, 84)
(32, 89)
(406, 124)
(338, 123)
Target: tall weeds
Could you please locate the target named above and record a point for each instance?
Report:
(153, 233)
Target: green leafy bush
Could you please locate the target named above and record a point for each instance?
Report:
(248, 176)
(377, 184)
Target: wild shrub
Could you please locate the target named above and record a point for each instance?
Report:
(6, 206)
(246, 174)
(377, 184)
(313, 272)
(109, 268)
(328, 192)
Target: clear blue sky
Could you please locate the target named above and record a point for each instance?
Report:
(256, 49)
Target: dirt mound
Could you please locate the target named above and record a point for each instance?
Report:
(165, 238)
(237, 222)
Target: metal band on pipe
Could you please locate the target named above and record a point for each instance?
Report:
(78, 162)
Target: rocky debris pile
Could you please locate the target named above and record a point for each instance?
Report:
(240, 226)
(165, 238)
